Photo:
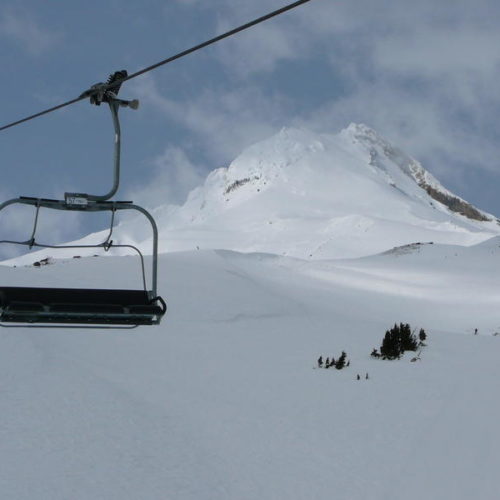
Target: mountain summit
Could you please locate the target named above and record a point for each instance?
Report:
(414, 169)
(321, 196)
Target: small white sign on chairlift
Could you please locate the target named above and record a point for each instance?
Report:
(76, 200)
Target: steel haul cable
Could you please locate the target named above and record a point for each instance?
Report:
(184, 53)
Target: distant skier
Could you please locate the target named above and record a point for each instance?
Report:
(320, 362)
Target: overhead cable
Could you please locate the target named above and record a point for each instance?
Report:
(170, 59)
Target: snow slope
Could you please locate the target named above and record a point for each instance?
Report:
(221, 400)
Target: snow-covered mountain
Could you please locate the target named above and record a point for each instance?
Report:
(314, 196)
(320, 196)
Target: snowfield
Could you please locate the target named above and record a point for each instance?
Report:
(223, 401)
(306, 245)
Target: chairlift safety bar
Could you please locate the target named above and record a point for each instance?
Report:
(95, 206)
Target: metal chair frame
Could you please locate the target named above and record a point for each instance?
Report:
(35, 314)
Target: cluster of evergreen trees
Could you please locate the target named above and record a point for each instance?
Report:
(341, 362)
(397, 340)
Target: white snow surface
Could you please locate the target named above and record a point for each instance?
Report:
(223, 400)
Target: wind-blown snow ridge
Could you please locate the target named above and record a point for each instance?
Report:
(315, 196)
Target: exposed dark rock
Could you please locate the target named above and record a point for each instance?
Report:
(454, 204)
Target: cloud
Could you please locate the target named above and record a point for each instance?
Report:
(224, 121)
(422, 73)
(20, 26)
(260, 48)
(422, 128)
(257, 51)
(424, 53)
(174, 177)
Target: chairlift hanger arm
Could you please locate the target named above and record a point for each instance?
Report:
(107, 93)
(113, 106)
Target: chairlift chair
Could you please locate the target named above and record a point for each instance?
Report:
(86, 307)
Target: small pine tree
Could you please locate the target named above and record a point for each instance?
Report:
(408, 340)
(422, 335)
(390, 344)
(341, 361)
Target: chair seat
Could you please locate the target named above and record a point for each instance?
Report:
(77, 305)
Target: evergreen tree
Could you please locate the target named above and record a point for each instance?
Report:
(408, 339)
(397, 340)
(390, 344)
(341, 361)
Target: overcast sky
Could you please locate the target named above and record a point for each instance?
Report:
(423, 74)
